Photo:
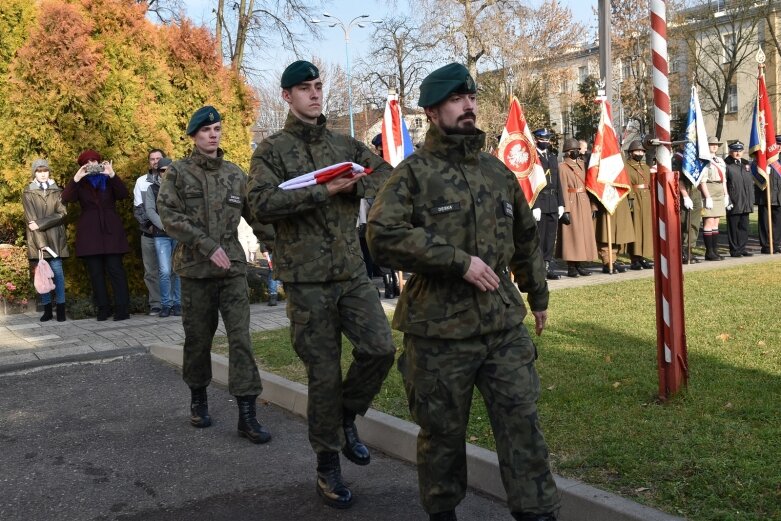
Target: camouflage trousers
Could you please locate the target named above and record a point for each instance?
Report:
(201, 300)
(439, 377)
(319, 313)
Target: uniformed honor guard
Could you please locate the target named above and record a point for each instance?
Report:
(456, 218)
(713, 186)
(740, 187)
(760, 195)
(576, 243)
(640, 206)
(202, 198)
(549, 205)
(690, 205)
(318, 258)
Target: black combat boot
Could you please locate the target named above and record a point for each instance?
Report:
(572, 270)
(448, 515)
(386, 280)
(249, 427)
(61, 312)
(47, 312)
(330, 485)
(520, 516)
(103, 313)
(199, 408)
(549, 273)
(354, 449)
(581, 270)
(395, 284)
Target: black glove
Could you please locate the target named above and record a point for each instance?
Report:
(565, 219)
(594, 214)
(631, 205)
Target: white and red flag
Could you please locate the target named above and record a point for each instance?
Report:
(324, 175)
(606, 176)
(762, 141)
(396, 141)
(518, 151)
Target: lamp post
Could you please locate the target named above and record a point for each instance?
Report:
(358, 21)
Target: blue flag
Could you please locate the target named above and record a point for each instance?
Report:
(696, 152)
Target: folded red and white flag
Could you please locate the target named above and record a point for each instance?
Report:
(324, 175)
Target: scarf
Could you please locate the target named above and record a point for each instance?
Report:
(98, 181)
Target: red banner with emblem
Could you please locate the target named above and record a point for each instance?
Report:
(518, 151)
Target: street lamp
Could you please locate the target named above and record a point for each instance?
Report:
(358, 21)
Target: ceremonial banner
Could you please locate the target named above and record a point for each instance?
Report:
(396, 141)
(606, 176)
(696, 151)
(518, 151)
(324, 175)
(762, 143)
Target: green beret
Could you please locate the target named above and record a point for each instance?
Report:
(298, 72)
(447, 80)
(207, 115)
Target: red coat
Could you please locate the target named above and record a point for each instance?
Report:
(99, 230)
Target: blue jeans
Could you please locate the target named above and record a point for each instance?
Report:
(170, 285)
(273, 285)
(59, 283)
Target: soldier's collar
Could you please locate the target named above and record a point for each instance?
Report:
(206, 162)
(307, 132)
(454, 147)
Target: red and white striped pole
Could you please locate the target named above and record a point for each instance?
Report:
(670, 326)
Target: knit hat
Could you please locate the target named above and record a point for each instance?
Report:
(88, 155)
(40, 163)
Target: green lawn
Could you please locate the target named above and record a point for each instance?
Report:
(712, 453)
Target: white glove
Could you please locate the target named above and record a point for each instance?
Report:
(561, 211)
(727, 203)
(537, 213)
(688, 203)
(709, 203)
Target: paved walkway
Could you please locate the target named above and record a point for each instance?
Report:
(25, 341)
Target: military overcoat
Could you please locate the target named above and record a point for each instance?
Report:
(576, 241)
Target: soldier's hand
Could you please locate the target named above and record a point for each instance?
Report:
(481, 275)
(540, 318)
(220, 259)
(343, 184)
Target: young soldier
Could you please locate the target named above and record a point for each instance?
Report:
(457, 218)
(201, 200)
(318, 258)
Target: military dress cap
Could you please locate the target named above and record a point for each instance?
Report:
(636, 145)
(298, 72)
(377, 140)
(40, 163)
(570, 144)
(164, 162)
(543, 133)
(207, 115)
(450, 79)
(713, 140)
(737, 145)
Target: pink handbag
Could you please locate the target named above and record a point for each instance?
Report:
(43, 279)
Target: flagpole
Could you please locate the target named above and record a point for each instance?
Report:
(761, 63)
(609, 244)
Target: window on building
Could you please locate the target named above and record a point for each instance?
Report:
(675, 109)
(418, 122)
(563, 86)
(732, 99)
(674, 65)
(718, 5)
(626, 70)
(728, 44)
(582, 73)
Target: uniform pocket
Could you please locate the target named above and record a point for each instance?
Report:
(432, 405)
(299, 324)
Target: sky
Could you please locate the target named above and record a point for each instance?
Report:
(331, 47)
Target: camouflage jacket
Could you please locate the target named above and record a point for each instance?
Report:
(201, 201)
(445, 203)
(315, 238)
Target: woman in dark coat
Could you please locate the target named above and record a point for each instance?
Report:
(100, 235)
(44, 214)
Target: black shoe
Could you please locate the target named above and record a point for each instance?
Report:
(154, 312)
(354, 449)
(61, 312)
(272, 299)
(746, 253)
(636, 266)
(572, 271)
(619, 267)
(249, 427)
(583, 271)
(448, 515)
(164, 313)
(731, 255)
(330, 486)
(120, 313)
(176, 311)
(47, 312)
(647, 264)
(716, 257)
(103, 313)
(552, 276)
(606, 269)
(765, 251)
(520, 516)
(199, 408)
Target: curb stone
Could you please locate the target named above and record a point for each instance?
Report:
(398, 438)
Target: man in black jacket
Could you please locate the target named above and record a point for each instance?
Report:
(549, 205)
(740, 187)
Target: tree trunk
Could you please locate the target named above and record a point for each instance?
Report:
(218, 28)
(245, 15)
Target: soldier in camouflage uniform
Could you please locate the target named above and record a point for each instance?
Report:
(318, 257)
(457, 218)
(201, 200)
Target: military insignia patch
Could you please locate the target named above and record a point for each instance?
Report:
(508, 208)
(312, 72)
(519, 154)
(470, 83)
(445, 208)
(211, 116)
(234, 199)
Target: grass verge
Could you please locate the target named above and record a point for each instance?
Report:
(711, 453)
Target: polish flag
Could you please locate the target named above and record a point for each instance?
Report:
(606, 177)
(324, 175)
(518, 151)
(396, 141)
